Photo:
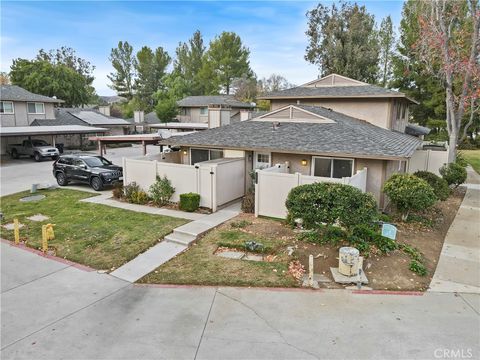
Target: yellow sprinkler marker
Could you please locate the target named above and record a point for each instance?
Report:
(16, 231)
(50, 233)
(44, 239)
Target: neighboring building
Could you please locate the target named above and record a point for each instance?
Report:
(215, 110)
(114, 99)
(382, 107)
(19, 107)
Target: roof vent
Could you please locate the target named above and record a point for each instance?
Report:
(275, 125)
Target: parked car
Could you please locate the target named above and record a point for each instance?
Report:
(96, 171)
(38, 149)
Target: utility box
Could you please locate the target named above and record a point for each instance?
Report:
(349, 261)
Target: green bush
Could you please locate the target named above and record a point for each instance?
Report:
(118, 191)
(189, 202)
(248, 201)
(454, 173)
(439, 185)
(161, 191)
(372, 237)
(134, 194)
(240, 224)
(330, 203)
(409, 193)
(418, 268)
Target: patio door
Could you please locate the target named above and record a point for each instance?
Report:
(262, 160)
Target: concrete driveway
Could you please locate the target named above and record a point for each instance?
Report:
(51, 310)
(19, 175)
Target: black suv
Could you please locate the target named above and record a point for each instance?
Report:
(94, 170)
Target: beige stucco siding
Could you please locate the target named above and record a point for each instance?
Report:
(295, 162)
(375, 176)
(375, 111)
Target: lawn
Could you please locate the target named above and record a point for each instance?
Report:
(473, 158)
(200, 266)
(95, 235)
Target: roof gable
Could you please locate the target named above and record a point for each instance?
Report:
(17, 93)
(292, 113)
(334, 80)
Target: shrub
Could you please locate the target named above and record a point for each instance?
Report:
(161, 191)
(461, 159)
(131, 189)
(409, 193)
(189, 202)
(454, 174)
(118, 192)
(240, 224)
(418, 268)
(372, 237)
(439, 185)
(248, 201)
(139, 197)
(330, 203)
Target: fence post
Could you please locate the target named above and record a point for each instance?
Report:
(297, 175)
(214, 189)
(257, 195)
(124, 168)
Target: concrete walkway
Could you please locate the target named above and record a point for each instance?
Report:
(54, 311)
(458, 268)
(173, 244)
(106, 199)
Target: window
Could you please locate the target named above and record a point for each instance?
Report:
(262, 160)
(6, 107)
(203, 111)
(199, 155)
(332, 168)
(35, 108)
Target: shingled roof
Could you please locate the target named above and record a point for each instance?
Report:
(344, 136)
(78, 116)
(202, 101)
(16, 93)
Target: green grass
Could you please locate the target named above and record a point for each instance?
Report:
(95, 235)
(473, 158)
(199, 265)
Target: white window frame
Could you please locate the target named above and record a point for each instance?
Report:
(312, 168)
(36, 103)
(8, 113)
(209, 153)
(255, 160)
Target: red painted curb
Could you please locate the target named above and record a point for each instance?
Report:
(388, 292)
(51, 257)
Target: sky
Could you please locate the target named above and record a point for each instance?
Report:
(274, 31)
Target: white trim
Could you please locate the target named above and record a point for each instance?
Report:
(35, 113)
(312, 165)
(332, 76)
(13, 107)
(265, 117)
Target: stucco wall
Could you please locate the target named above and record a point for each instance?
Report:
(22, 118)
(375, 176)
(295, 161)
(375, 111)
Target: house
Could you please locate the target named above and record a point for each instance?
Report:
(19, 107)
(214, 110)
(306, 137)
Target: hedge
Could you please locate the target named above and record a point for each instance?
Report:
(189, 202)
(439, 185)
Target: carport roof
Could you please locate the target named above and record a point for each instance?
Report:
(49, 130)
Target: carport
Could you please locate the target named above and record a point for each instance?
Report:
(9, 133)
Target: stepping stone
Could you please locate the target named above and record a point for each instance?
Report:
(38, 217)
(342, 279)
(32, 198)
(253, 257)
(237, 255)
(10, 226)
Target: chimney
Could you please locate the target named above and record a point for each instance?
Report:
(105, 110)
(138, 116)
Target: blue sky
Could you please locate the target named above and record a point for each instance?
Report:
(272, 30)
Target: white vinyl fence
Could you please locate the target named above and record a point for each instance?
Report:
(217, 181)
(427, 160)
(273, 185)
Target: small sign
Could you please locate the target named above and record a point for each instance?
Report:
(389, 231)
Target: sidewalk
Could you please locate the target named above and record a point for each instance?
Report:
(173, 244)
(458, 268)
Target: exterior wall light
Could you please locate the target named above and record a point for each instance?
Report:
(304, 162)
(184, 152)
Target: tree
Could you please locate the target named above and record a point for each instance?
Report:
(274, 82)
(225, 60)
(449, 45)
(123, 62)
(386, 37)
(166, 110)
(343, 41)
(409, 74)
(43, 77)
(151, 69)
(245, 88)
(4, 78)
(189, 62)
